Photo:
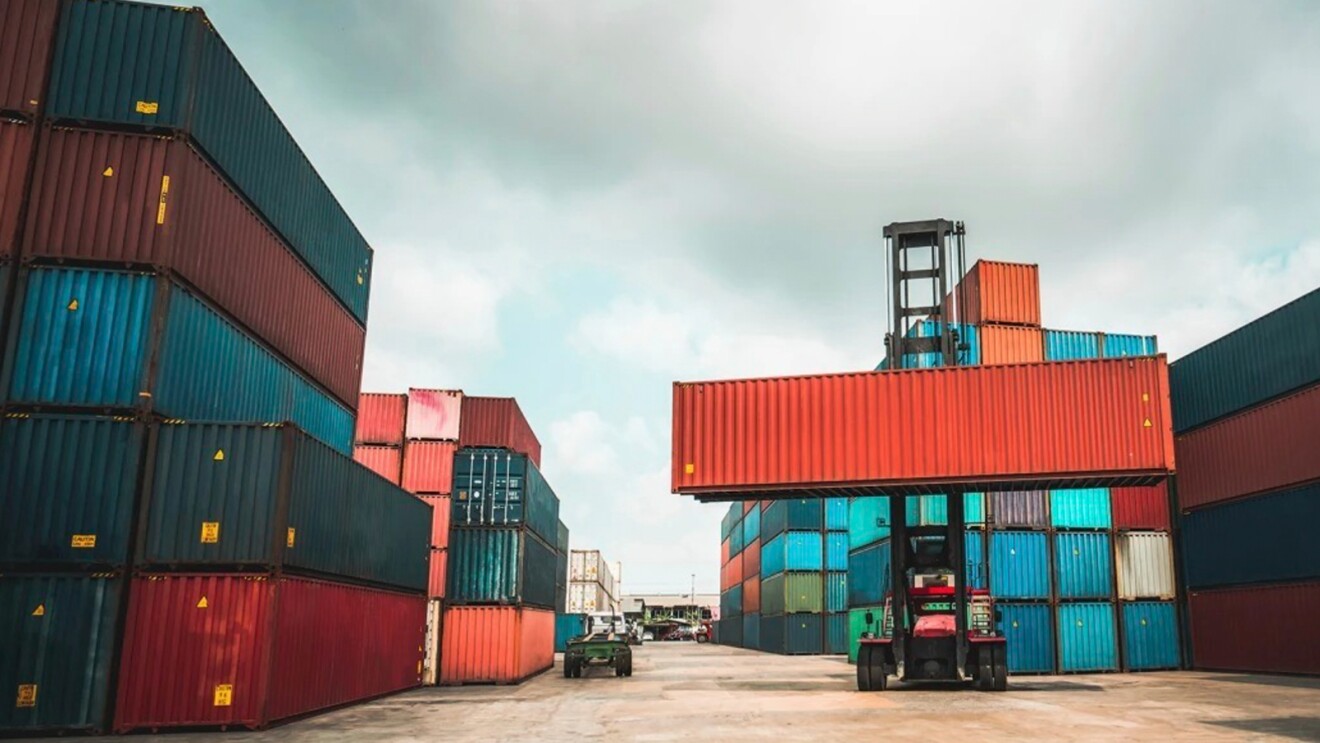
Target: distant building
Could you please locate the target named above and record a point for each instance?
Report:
(660, 606)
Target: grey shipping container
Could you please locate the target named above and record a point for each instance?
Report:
(1020, 508)
(499, 566)
(498, 487)
(1262, 539)
(226, 495)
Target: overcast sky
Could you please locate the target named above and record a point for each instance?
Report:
(578, 203)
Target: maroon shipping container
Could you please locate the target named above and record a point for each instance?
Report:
(434, 414)
(380, 418)
(16, 139)
(27, 32)
(1094, 423)
(133, 199)
(498, 422)
(428, 466)
(245, 650)
(1266, 629)
(385, 461)
(1144, 508)
(1269, 447)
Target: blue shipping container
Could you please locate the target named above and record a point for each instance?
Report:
(1118, 345)
(868, 521)
(969, 352)
(567, 627)
(1150, 636)
(730, 601)
(1263, 539)
(836, 550)
(1019, 565)
(1070, 345)
(869, 575)
(785, 515)
(792, 550)
(736, 544)
(836, 514)
(1087, 637)
(836, 591)
(1084, 565)
(836, 634)
(751, 634)
(730, 520)
(497, 487)
(974, 557)
(793, 634)
(751, 526)
(500, 566)
(1080, 509)
(731, 631)
(1029, 630)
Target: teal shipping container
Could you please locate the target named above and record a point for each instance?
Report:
(751, 527)
(934, 509)
(731, 631)
(1088, 640)
(1019, 565)
(1117, 345)
(736, 544)
(793, 550)
(730, 520)
(1070, 345)
(499, 565)
(868, 521)
(969, 346)
(1083, 565)
(1029, 630)
(561, 540)
(1261, 539)
(165, 68)
(70, 488)
(836, 634)
(1080, 509)
(869, 575)
(120, 340)
(974, 556)
(730, 604)
(569, 626)
(498, 487)
(836, 550)
(836, 591)
(800, 514)
(228, 495)
(1150, 636)
(751, 634)
(57, 644)
(793, 634)
(836, 514)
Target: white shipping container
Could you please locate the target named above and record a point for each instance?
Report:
(588, 598)
(1145, 565)
(589, 565)
(435, 612)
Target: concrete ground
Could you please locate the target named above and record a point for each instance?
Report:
(689, 692)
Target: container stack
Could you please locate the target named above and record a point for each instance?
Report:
(378, 435)
(592, 586)
(730, 629)
(427, 471)
(1247, 415)
(567, 626)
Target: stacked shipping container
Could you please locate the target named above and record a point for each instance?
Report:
(592, 587)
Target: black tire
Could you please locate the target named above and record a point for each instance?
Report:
(880, 681)
(568, 669)
(577, 670)
(1000, 671)
(864, 668)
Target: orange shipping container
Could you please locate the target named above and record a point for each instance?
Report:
(1072, 424)
(724, 554)
(751, 559)
(428, 466)
(495, 644)
(383, 460)
(439, 573)
(1008, 344)
(380, 418)
(440, 508)
(751, 597)
(997, 292)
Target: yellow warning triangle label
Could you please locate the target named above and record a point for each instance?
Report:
(73, 306)
(219, 455)
(1146, 424)
(108, 172)
(202, 604)
(40, 611)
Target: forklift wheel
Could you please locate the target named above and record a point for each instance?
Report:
(872, 673)
(864, 668)
(999, 678)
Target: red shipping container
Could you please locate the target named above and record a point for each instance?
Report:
(1072, 424)
(495, 644)
(16, 138)
(383, 460)
(998, 292)
(247, 650)
(1270, 447)
(27, 31)
(751, 595)
(1145, 508)
(149, 200)
(434, 414)
(439, 573)
(1007, 344)
(736, 569)
(440, 510)
(380, 418)
(498, 422)
(428, 466)
(751, 559)
(1265, 629)
(724, 553)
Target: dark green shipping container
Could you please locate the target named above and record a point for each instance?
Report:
(499, 566)
(57, 641)
(225, 495)
(163, 67)
(561, 542)
(498, 487)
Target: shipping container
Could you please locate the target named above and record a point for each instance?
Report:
(1088, 640)
(751, 634)
(868, 521)
(496, 487)
(1021, 508)
(1116, 345)
(732, 518)
(997, 292)
(747, 506)
(836, 591)
(1141, 507)
(561, 542)
(1083, 565)
(793, 550)
(858, 626)
(145, 201)
(1150, 636)
(16, 149)
(428, 466)
(438, 574)
(1080, 509)
(1264, 359)
(1265, 629)
(1070, 345)
(1264, 539)
(1269, 447)
(71, 484)
(230, 495)
(166, 69)
(248, 650)
(1145, 565)
(57, 645)
(1006, 344)
(1019, 565)
(380, 417)
(440, 510)
(1029, 632)
(799, 514)
(836, 550)
(27, 29)
(836, 634)
(731, 631)
(974, 554)
(588, 597)
(793, 634)
(751, 595)
(568, 627)
(836, 514)
(433, 414)
(590, 566)
(500, 566)
(869, 575)
(751, 559)
(497, 422)
(969, 346)
(751, 525)
(435, 617)
(386, 461)
(731, 601)
(119, 340)
(933, 510)
(734, 570)
(736, 543)
(724, 553)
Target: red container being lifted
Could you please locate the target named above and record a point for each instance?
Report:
(1270, 447)
(498, 422)
(27, 30)
(1143, 508)
(1073, 424)
(1000, 293)
(428, 466)
(385, 461)
(380, 418)
(247, 650)
(434, 415)
(16, 140)
(1266, 629)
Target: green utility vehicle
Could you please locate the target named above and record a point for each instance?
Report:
(605, 648)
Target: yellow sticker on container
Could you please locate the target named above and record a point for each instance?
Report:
(27, 695)
(288, 541)
(1143, 621)
(72, 306)
(164, 196)
(148, 107)
(1145, 397)
(83, 541)
(689, 469)
(224, 695)
(1146, 424)
(108, 172)
(210, 532)
(203, 603)
(219, 455)
(40, 611)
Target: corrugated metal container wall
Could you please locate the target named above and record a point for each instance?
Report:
(1265, 448)
(16, 139)
(974, 556)
(135, 199)
(751, 558)
(1145, 565)
(724, 554)
(1260, 629)
(1029, 630)
(1021, 508)
(731, 519)
(434, 414)
(1003, 344)
(428, 466)
(440, 510)
(1083, 563)
(869, 577)
(1271, 356)
(799, 514)
(858, 626)
(836, 514)
(497, 422)
(1080, 509)
(27, 28)
(836, 551)
(868, 521)
(1070, 345)
(494, 487)
(999, 292)
(934, 509)
(804, 633)
(731, 601)
(1259, 540)
(569, 626)
(1150, 636)
(506, 566)
(968, 336)
(731, 632)
(792, 550)
(735, 568)
(1141, 508)
(751, 634)
(736, 543)
(386, 461)
(748, 505)
(156, 66)
(787, 593)
(1118, 345)
(380, 417)
(1088, 640)
(836, 591)
(70, 482)
(437, 574)
(1020, 565)
(57, 644)
(836, 634)
(588, 597)
(751, 526)
(751, 595)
